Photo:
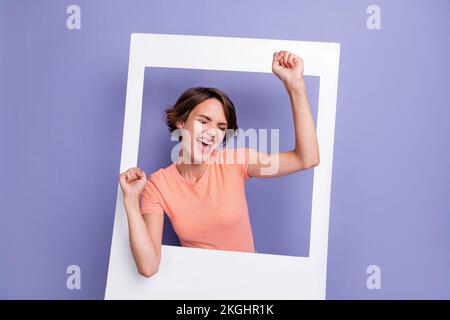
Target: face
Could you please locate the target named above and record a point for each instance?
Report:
(203, 131)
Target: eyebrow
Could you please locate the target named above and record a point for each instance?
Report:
(208, 118)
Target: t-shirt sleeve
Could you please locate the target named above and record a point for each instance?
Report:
(150, 203)
(242, 156)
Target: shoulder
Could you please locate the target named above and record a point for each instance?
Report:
(160, 176)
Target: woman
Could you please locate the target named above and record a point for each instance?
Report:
(202, 192)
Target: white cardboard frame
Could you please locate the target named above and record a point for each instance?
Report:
(188, 273)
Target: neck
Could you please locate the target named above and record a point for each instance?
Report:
(191, 171)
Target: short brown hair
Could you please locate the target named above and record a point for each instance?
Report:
(190, 98)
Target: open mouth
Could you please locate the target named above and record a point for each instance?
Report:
(205, 144)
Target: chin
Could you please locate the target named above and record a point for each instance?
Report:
(201, 155)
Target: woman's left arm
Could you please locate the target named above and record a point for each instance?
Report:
(288, 68)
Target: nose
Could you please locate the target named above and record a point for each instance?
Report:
(212, 133)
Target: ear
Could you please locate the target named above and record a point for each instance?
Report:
(180, 124)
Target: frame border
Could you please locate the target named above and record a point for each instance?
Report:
(191, 273)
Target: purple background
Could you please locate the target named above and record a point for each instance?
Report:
(280, 209)
(62, 98)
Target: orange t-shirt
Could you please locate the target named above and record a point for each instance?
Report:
(211, 213)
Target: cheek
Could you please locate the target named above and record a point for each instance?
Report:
(221, 136)
(189, 132)
(196, 128)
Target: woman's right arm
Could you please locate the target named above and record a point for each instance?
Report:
(145, 231)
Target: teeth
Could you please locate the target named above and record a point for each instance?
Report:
(208, 142)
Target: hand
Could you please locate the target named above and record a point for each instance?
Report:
(288, 67)
(132, 182)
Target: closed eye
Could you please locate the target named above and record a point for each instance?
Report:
(203, 120)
